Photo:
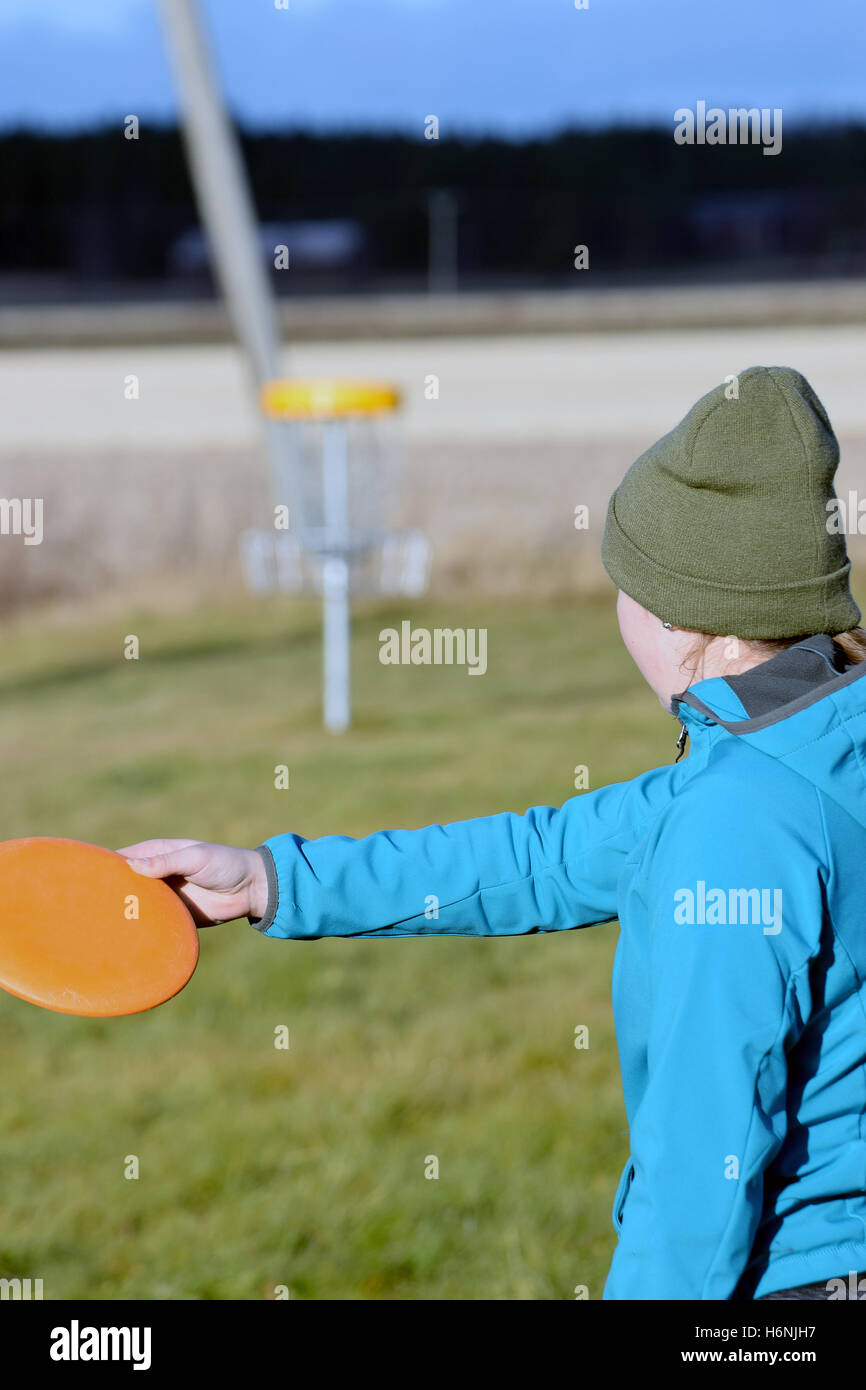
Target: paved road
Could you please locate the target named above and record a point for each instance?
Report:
(525, 428)
(540, 388)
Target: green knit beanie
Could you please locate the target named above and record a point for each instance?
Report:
(721, 526)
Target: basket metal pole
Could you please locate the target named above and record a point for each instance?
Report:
(335, 578)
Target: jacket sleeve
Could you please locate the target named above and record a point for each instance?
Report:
(503, 875)
(728, 996)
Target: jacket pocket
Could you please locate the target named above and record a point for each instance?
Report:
(621, 1194)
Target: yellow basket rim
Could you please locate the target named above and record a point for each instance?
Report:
(327, 398)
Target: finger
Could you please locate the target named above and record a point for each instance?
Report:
(176, 863)
(146, 849)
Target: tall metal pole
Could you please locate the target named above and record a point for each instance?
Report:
(225, 205)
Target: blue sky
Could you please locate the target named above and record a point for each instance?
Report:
(509, 66)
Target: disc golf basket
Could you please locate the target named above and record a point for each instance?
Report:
(340, 476)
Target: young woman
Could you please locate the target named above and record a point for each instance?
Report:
(739, 986)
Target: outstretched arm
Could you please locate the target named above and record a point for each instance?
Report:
(547, 870)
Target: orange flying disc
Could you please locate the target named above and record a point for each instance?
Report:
(82, 933)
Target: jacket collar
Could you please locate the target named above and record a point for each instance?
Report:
(789, 682)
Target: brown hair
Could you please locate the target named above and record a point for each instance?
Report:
(852, 643)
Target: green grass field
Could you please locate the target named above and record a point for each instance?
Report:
(305, 1167)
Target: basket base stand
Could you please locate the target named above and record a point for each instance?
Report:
(336, 618)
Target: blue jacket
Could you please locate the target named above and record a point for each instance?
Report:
(739, 987)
